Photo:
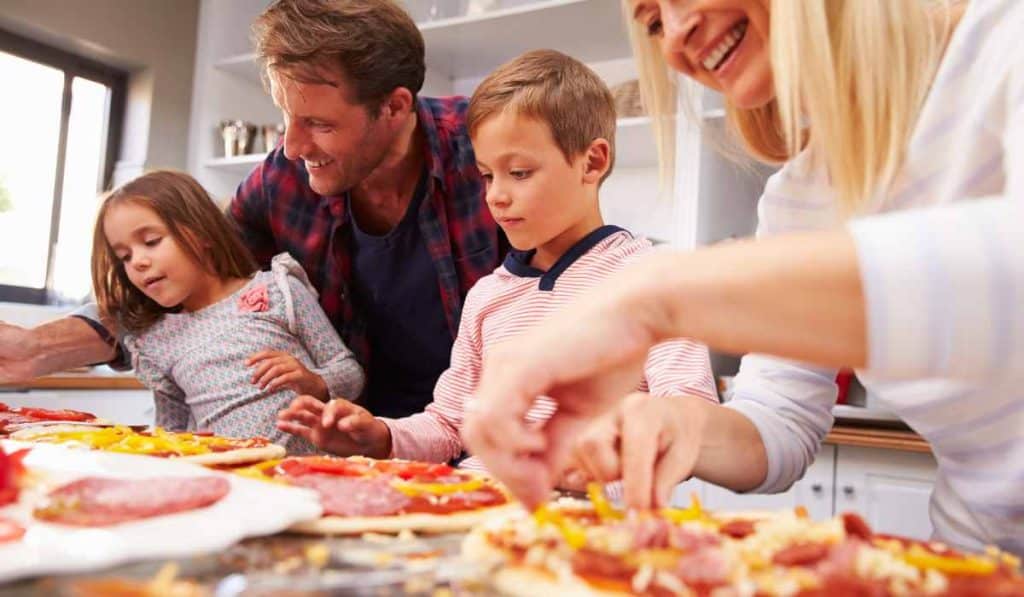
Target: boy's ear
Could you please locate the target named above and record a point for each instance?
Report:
(598, 160)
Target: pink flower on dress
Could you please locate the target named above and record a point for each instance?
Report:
(254, 300)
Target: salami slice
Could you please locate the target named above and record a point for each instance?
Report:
(354, 496)
(98, 501)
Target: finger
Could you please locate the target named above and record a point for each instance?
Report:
(303, 417)
(640, 434)
(598, 451)
(302, 404)
(285, 380)
(261, 355)
(295, 429)
(674, 467)
(335, 411)
(261, 368)
(272, 373)
(560, 432)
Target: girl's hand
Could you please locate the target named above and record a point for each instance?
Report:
(339, 427)
(275, 370)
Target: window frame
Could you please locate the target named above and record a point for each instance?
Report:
(73, 66)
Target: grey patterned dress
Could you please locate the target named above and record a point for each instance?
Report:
(195, 362)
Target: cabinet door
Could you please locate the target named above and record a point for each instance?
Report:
(814, 492)
(889, 488)
(128, 407)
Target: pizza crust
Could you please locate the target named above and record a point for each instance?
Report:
(418, 522)
(523, 581)
(239, 456)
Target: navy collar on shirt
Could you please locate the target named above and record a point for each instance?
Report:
(518, 262)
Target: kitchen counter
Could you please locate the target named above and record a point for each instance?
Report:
(870, 437)
(85, 380)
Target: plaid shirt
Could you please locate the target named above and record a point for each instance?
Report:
(277, 211)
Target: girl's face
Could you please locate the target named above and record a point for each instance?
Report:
(722, 44)
(155, 262)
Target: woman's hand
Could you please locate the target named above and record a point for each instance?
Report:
(275, 370)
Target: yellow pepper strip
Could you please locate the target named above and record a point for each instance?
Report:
(414, 489)
(678, 515)
(919, 557)
(259, 471)
(575, 536)
(601, 504)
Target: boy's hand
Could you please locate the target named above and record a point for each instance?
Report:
(339, 427)
(275, 370)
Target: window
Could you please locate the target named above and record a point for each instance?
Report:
(62, 121)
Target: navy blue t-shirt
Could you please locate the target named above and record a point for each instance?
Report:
(396, 284)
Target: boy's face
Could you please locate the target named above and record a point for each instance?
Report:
(541, 200)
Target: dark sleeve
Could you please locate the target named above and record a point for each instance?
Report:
(250, 211)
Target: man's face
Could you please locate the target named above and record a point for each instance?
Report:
(337, 140)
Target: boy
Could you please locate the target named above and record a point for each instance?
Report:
(543, 130)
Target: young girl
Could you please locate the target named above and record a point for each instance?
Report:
(223, 346)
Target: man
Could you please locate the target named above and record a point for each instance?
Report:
(374, 191)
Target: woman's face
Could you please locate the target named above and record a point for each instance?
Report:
(722, 44)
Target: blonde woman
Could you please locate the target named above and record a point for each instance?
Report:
(889, 241)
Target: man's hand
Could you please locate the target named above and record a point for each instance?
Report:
(275, 370)
(339, 427)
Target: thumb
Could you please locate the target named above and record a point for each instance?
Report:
(336, 410)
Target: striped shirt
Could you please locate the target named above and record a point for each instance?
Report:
(943, 277)
(510, 301)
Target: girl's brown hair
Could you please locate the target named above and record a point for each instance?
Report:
(193, 220)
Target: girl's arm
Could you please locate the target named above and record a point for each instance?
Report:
(334, 362)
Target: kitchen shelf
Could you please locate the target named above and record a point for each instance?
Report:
(238, 162)
(472, 46)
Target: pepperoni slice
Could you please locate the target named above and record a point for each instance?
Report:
(10, 530)
(801, 554)
(856, 527)
(354, 496)
(295, 467)
(737, 529)
(97, 501)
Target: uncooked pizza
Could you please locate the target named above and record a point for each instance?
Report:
(14, 418)
(361, 494)
(198, 448)
(590, 548)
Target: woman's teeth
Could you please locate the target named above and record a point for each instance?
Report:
(724, 47)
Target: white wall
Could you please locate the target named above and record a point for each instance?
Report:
(153, 40)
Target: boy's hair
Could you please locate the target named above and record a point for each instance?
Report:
(192, 219)
(556, 89)
(374, 44)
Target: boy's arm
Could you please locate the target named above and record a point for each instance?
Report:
(333, 361)
(680, 367)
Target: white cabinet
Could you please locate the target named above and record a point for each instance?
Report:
(889, 488)
(129, 407)
(814, 492)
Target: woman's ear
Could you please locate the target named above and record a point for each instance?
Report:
(598, 161)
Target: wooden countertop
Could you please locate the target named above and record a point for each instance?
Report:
(869, 437)
(81, 381)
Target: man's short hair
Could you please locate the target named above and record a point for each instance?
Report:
(374, 45)
(554, 88)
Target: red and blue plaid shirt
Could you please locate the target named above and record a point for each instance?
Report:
(276, 210)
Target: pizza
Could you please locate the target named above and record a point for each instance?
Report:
(12, 473)
(361, 495)
(198, 448)
(12, 419)
(100, 501)
(576, 547)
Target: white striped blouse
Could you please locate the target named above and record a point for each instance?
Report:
(943, 277)
(515, 298)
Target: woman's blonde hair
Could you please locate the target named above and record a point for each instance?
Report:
(850, 78)
(192, 219)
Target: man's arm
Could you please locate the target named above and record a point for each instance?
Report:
(27, 353)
